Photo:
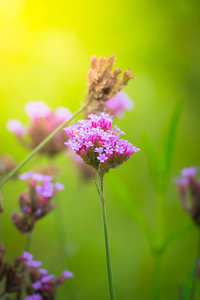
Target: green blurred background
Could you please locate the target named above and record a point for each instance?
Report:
(45, 50)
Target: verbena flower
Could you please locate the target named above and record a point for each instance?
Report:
(98, 144)
(43, 121)
(36, 202)
(189, 189)
(42, 284)
(26, 274)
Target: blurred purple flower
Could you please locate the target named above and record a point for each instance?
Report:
(37, 109)
(15, 126)
(36, 202)
(189, 172)
(34, 297)
(28, 255)
(33, 263)
(189, 187)
(43, 121)
(118, 104)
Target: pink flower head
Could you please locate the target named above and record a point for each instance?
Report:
(118, 104)
(37, 109)
(98, 144)
(43, 121)
(16, 127)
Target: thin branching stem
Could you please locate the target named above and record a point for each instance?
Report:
(28, 241)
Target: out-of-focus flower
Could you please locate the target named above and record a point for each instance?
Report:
(189, 189)
(26, 274)
(98, 144)
(16, 127)
(115, 106)
(118, 104)
(43, 121)
(103, 83)
(36, 202)
(43, 285)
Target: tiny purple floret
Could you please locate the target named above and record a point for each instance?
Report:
(27, 255)
(189, 172)
(33, 263)
(68, 274)
(34, 297)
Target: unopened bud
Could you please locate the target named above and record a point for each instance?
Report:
(117, 71)
(93, 61)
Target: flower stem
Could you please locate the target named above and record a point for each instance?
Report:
(194, 280)
(158, 249)
(28, 241)
(157, 280)
(106, 240)
(43, 143)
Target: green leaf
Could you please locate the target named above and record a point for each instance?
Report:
(152, 158)
(168, 146)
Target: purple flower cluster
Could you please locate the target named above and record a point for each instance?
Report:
(189, 189)
(35, 203)
(42, 122)
(98, 144)
(26, 273)
(43, 285)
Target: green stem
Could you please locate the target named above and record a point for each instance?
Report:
(106, 240)
(194, 281)
(159, 221)
(42, 144)
(158, 249)
(157, 280)
(28, 241)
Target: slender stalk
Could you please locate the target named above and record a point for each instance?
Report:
(158, 249)
(194, 280)
(28, 241)
(42, 144)
(106, 240)
(157, 280)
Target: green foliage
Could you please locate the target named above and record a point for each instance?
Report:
(160, 159)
